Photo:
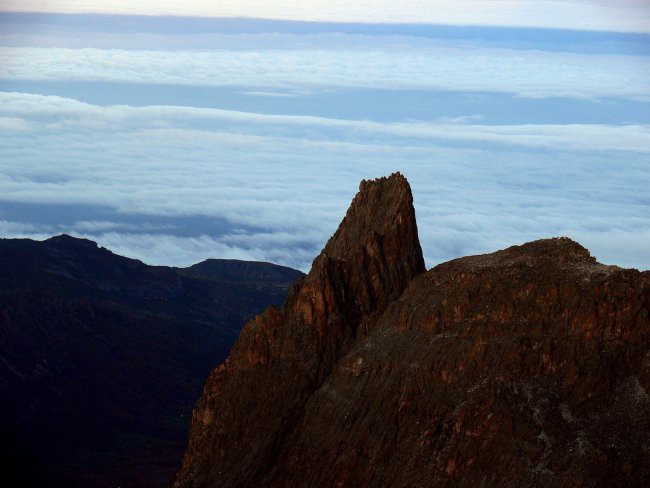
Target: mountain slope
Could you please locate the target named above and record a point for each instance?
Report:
(525, 367)
(101, 357)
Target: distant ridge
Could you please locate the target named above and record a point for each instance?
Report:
(244, 271)
(102, 357)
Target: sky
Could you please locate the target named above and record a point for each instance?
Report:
(174, 132)
(609, 15)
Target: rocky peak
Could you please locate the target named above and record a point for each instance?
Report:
(285, 354)
(366, 264)
(382, 207)
(66, 240)
(524, 367)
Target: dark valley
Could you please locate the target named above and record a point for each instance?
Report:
(102, 357)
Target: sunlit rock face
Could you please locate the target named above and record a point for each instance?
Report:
(525, 367)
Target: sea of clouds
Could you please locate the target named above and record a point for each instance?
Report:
(174, 183)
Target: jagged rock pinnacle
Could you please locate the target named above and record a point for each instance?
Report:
(283, 355)
(367, 263)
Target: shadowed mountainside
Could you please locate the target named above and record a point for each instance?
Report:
(526, 367)
(102, 357)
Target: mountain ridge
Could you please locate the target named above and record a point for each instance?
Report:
(524, 367)
(102, 356)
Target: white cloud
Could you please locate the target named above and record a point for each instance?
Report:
(95, 225)
(525, 73)
(98, 226)
(627, 15)
(11, 124)
(18, 229)
(285, 182)
(50, 113)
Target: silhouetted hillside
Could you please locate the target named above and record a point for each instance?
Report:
(102, 357)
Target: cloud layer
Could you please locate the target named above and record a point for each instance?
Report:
(21, 112)
(524, 73)
(231, 139)
(282, 183)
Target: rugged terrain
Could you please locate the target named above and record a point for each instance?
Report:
(526, 367)
(102, 357)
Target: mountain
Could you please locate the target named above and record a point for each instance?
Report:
(102, 357)
(250, 272)
(526, 367)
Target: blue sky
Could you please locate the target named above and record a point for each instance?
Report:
(177, 138)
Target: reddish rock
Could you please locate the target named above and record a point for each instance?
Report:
(525, 367)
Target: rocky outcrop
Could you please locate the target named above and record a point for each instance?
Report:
(251, 404)
(525, 367)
